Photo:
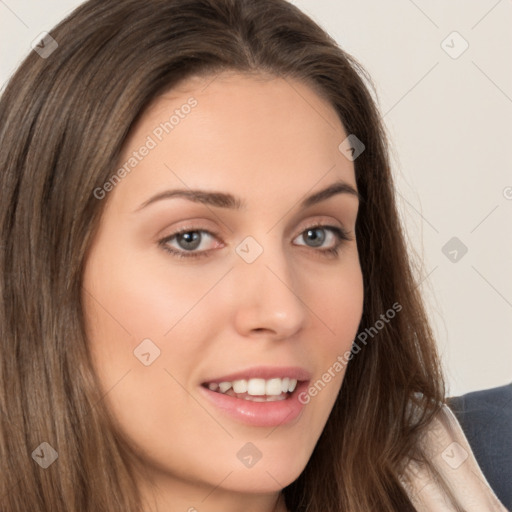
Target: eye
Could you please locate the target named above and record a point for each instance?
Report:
(189, 243)
(193, 243)
(325, 238)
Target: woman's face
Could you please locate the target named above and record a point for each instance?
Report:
(259, 290)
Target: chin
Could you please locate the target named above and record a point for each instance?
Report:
(260, 482)
(273, 472)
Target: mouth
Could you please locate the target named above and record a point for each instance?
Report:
(256, 389)
(261, 396)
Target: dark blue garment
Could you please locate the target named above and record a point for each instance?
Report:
(486, 418)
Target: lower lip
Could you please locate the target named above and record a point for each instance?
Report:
(259, 414)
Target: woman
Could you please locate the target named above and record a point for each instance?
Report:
(207, 302)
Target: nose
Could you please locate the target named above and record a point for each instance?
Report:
(268, 298)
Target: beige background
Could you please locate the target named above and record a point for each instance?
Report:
(449, 117)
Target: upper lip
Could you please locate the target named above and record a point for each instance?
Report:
(264, 372)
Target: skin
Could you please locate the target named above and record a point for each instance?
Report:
(270, 142)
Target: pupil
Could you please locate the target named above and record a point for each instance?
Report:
(189, 240)
(316, 236)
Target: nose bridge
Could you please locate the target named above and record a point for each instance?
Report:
(268, 296)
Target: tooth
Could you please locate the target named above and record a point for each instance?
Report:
(273, 387)
(256, 387)
(224, 386)
(240, 386)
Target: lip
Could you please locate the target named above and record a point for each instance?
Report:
(260, 414)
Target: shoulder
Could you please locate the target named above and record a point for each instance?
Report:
(456, 477)
(489, 407)
(486, 419)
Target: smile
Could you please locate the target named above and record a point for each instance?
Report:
(260, 397)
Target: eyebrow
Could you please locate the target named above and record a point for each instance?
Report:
(224, 200)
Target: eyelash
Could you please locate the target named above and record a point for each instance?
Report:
(341, 234)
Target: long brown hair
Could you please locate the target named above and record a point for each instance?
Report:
(64, 120)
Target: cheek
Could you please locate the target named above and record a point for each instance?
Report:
(138, 311)
(141, 296)
(135, 331)
(337, 300)
(124, 314)
(338, 305)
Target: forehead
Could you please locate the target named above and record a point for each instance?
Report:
(251, 133)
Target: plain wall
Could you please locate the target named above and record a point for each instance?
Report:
(449, 119)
